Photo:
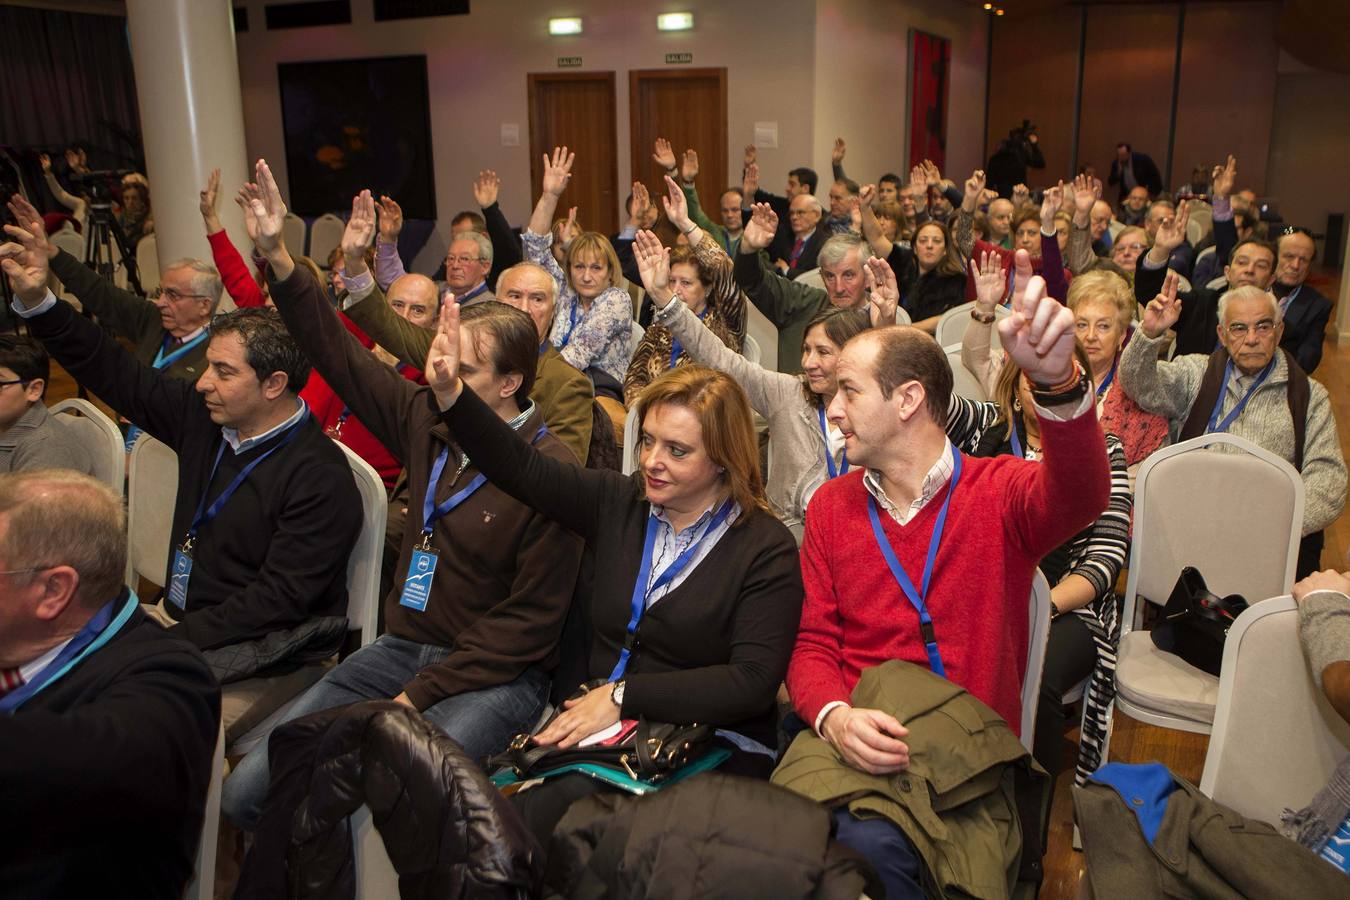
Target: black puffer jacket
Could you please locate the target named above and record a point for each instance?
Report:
(712, 836)
(447, 829)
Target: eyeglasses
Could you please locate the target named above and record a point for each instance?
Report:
(1137, 248)
(800, 212)
(174, 295)
(23, 381)
(26, 570)
(1239, 330)
(464, 260)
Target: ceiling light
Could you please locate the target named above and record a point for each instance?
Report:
(680, 21)
(564, 26)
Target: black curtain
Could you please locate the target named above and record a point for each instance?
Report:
(67, 79)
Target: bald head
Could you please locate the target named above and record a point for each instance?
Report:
(1100, 219)
(414, 298)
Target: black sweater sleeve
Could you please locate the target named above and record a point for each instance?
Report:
(576, 498)
(506, 250)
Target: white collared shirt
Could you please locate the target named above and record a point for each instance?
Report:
(29, 671)
(231, 436)
(938, 476)
(670, 544)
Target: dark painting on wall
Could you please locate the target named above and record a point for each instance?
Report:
(358, 123)
(930, 65)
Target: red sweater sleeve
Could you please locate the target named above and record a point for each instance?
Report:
(815, 673)
(243, 290)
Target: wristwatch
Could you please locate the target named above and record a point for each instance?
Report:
(982, 318)
(617, 695)
(1054, 611)
(1068, 391)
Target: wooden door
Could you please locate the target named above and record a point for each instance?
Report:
(688, 107)
(576, 110)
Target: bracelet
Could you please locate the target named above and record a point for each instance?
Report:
(690, 230)
(1067, 392)
(982, 318)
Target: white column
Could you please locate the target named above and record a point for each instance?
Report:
(192, 117)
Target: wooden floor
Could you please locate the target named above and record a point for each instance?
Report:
(1183, 753)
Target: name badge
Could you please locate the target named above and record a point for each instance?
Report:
(417, 586)
(182, 573)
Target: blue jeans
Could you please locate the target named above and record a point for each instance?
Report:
(482, 722)
(884, 845)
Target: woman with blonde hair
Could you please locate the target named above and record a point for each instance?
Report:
(692, 609)
(593, 317)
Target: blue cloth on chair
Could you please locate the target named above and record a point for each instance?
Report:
(1144, 787)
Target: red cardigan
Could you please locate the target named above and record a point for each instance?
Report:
(1005, 515)
(325, 405)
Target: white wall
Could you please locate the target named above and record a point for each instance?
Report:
(1309, 146)
(772, 52)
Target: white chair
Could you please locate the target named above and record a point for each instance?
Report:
(1217, 283)
(902, 316)
(1039, 636)
(964, 382)
(635, 334)
(751, 350)
(203, 882)
(1193, 507)
(293, 233)
(1203, 214)
(1183, 283)
(100, 436)
(1115, 228)
(811, 278)
(375, 874)
(147, 262)
(951, 328)
(363, 582)
(66, 239)
(324, 236)
(1266, 693)
(630, 440)
(1195, 231)
(758, 326)
(152, 488)
(1208, 251)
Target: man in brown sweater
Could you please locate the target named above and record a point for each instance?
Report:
(473, 627)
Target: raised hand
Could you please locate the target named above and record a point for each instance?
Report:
(570, 229)
(1172, 232)
(974, 188)
(1021, 196)
(883, 292)
(689, 167)
(751, 155)
(1164, 310)
(46, 162)
(840, 148)
(208, 200)
(485, 188)
(663, 154)
(677, 207)
(918, 178)
(358, 235)
(1052, 200)
(867, 194)
(991, 280)
(1039, 335)
(759, 231)
(640, 204)
(30, 220)
(442, 366)
(653, 262)
(558, 171)
(24, 260)
(750, 182)
(932, 173)
(77, 160)
(855, 215)
(268, 212)
(391, 218)
(1085, 193)
(1223, 178)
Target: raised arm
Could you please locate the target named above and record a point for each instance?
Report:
(388, 264)
(78, 208)
(965, 216)
(779, 299)
(506, 250)
(557, 173)
(991, 281)
(1086, 192)
(1052, 264)
(837, 159)
(871, 226)
(234, 272)
(1225, 231)
(1167, 389)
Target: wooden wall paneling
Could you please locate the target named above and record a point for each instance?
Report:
(576, 110)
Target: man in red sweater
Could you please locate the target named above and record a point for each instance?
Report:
(965, 533)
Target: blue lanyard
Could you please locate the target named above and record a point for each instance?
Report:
(1110, 377)
(470, 295)
(163, 362)
(572, 323)
(919, 600)
(640, 590)
(1289, 299)
(1214, 423)
(1015, 440)
(543, 346)
(95, 633)
(675, 348)
(399, 367)
(829, 454)
(204, 514)
(432, 513)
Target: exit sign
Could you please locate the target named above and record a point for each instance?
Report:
(569, 62)
(679, 59)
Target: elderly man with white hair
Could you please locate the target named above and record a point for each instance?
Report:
(1248, 387)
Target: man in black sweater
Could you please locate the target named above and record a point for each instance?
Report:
(107, 721)
(273, 555)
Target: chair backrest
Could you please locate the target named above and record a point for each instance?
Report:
(1234, 512)
(630, 440)
(751, 350)
(293, 233)
(152, 488)
(635, 294)
(951, 328)
(100, 436)
(363, 566)
(1195, 231)
(1266, 693)
(635, 334)
(811, 278)
(1208, 251)
(964, 382)
(147, 262)
(203, 882)
(765, 333)
(324, 235)
(902, 316)
(1217, 283)
(1039, 634)
(1115, 228)
(68, 240)
(1183, 283)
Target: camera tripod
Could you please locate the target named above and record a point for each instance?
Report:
(102, 234)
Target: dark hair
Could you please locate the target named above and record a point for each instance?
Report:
(268, 346)
(841, 326)
(1026, 214)
(515, 344)
(26, 357)
(850, 185)
(907, 354)
(469, 215)
(806, 176)
(889, 178)
(1256, 241)
(1127, 147)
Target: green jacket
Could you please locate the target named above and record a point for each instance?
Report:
(789, 305)
(957, 802)
(700, 218)
(564, 395)
(1202, 849)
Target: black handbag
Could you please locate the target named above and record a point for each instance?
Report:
(1195, 622)
(650, 752)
